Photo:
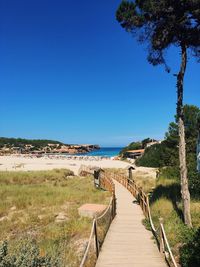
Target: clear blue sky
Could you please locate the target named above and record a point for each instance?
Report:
(69, 72)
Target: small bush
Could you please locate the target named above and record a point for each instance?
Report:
(169, 173)
(153, 157)
(26, 255)
(190, 252)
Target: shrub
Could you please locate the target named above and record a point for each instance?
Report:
(153, 157)
(190, 252)
(171, 173)
(26, 255)
(193, 176)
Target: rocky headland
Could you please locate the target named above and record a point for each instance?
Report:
(25, 146)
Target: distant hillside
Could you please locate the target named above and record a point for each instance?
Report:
(20, 141)
(39, 146)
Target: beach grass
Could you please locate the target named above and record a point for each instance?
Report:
(30, 202)
(165, 202)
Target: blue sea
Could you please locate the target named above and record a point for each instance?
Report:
(105, 152)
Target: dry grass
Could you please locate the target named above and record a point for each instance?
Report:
(165, 202)
(144, 180)
(30, 202)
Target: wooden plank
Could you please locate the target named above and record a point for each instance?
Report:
(128, 243)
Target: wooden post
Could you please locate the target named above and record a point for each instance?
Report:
(130, 173)
(140, 196)
(96, 238)
(143, 202)
(114, 205)
(162, 245)
(134, 189)
(97, 177)
(114, 209)
(101, 175)
(148, 206)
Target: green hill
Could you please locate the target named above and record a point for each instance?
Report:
(20, 142)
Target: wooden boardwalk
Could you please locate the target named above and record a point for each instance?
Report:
(128, 243)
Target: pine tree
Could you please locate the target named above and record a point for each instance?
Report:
(162, 23)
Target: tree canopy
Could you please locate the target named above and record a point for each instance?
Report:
(162, 23)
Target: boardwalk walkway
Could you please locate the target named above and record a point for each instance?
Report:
(128, 243)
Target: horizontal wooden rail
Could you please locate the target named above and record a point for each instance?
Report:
(165, 243)
(143, 200)
(88, 245)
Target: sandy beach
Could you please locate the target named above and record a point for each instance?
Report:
(30, 163)
(26, 163)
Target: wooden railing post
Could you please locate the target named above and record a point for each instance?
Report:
(147, 206)
(96, 237)
(143, 202)
(140, 196)
(162, 245)
(113, 205)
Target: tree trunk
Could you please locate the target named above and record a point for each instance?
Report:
(182, 146)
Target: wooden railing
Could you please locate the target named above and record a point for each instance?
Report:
(143, 200)
(85, 170)
(100, 226)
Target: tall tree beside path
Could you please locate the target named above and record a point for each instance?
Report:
(162, 23)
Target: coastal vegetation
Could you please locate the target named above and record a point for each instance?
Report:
(22, 141)
(39, 221)
(162, 24)
(165, 154)
(39, 146)
(165, 202)
(136, 145)
(165, 191)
